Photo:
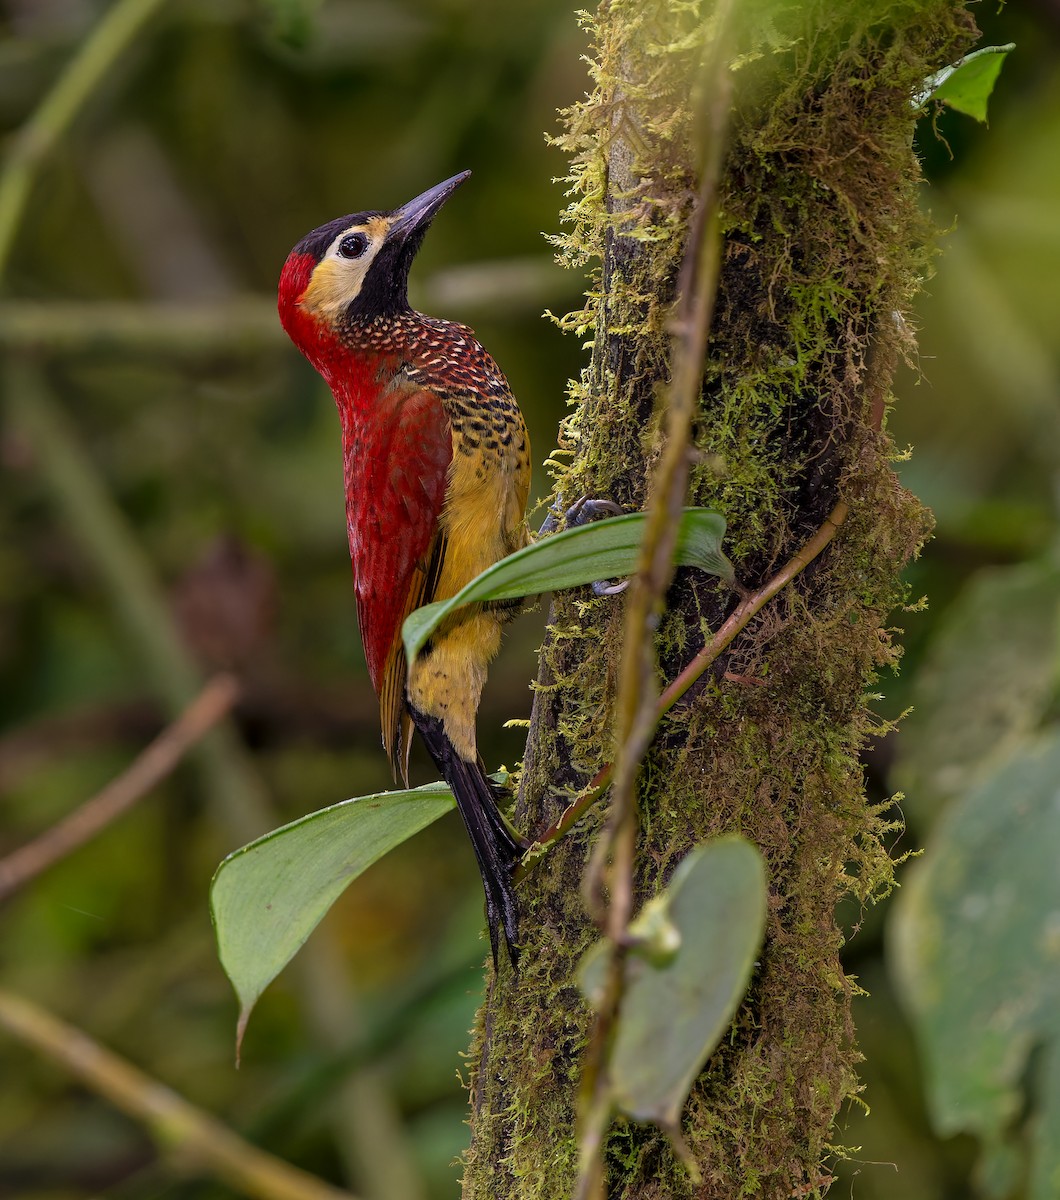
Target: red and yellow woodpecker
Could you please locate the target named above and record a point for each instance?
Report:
(437, 467)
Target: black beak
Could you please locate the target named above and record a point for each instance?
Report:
(415, 216)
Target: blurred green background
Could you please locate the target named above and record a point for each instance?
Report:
(229, 130)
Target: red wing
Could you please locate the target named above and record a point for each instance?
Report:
(394, 716)
(396, 467)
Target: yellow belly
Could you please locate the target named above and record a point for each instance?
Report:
(482, 522)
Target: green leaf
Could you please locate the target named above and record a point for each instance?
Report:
(601, 550)
(985, 683)
(966, 86)
(975, 949)
(676, 1006)
(268, 897)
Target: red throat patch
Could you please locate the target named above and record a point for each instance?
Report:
(315, 339)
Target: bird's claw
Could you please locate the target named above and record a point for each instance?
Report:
(581, 512)
(584, 510)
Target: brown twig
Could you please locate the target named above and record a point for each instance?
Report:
(750, 605)
(614, 855)
(697, 288)
(144, 773)
(186, 1133)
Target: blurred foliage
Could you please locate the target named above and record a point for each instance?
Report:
(976, 951)
(229, 131)
(980, 409)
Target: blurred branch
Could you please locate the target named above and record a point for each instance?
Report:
(35, 141)
(503, 285)
(153, 765)
(231, 328)
(187, 1134)
(249, 325)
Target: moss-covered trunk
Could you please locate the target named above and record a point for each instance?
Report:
(823, 248)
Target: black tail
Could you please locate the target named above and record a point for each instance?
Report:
(495, 848)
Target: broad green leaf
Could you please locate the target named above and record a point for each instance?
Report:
(676, 1006)
(268, 897)
(601, 550)
(966, 86)
(985, 684)
(975, 949)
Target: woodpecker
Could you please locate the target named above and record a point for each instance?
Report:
(436, 463)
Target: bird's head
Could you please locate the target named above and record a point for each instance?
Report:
(355, 268)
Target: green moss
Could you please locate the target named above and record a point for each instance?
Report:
(824, 243)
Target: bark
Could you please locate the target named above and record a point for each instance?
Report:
(824, 247)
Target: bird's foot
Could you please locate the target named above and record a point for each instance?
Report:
(609, 587)
(581, 512)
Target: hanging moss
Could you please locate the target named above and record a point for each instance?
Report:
(824, 246)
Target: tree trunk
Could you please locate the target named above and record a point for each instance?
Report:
(823, 248)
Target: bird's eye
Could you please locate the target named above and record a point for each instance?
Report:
(353, 245)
